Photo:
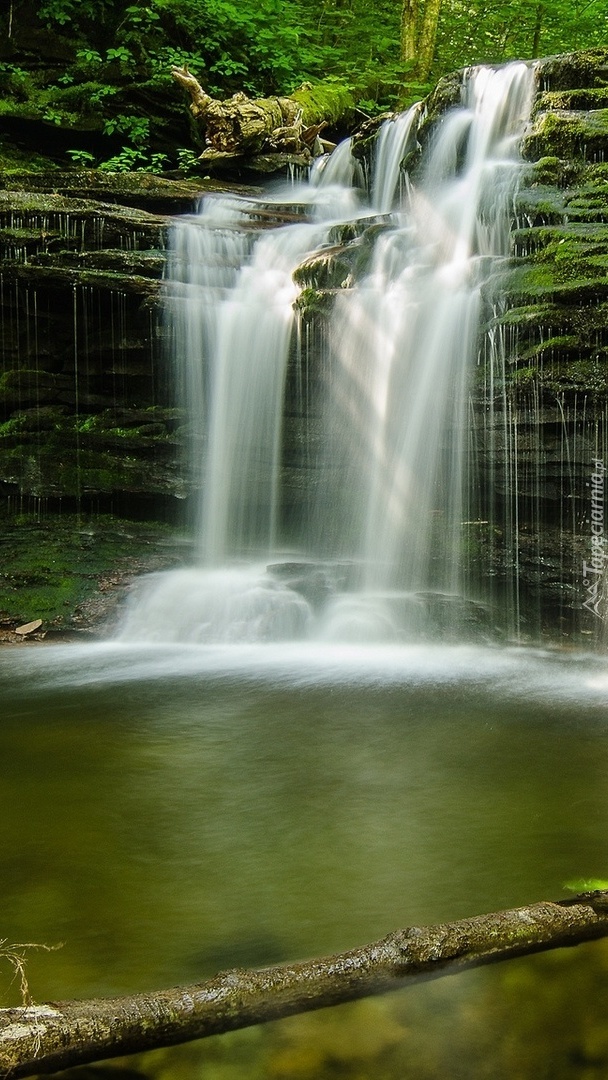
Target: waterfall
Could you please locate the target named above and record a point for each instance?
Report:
(379, 546)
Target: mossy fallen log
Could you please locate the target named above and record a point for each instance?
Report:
(245, 127)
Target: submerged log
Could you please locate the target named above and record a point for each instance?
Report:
(44, 1038)
(244, 127)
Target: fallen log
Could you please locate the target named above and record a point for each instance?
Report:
(38, 1039)
(245, 127)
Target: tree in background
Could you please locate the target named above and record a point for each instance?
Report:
(419, 24)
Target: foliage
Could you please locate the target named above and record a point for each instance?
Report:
(131, 158)
(136, 128)
(187, 160)
(82, 158)
(477, 31)
(113, 80)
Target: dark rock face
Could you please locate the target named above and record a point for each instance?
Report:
(86, 414)
(554, 324)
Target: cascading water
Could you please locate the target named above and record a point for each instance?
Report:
(382, 531)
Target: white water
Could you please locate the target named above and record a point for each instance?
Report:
(378, 552)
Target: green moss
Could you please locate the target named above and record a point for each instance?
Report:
(446, 95)
(582, 69)
(15, 160)
(543, 204)
(586, 99)
(567, 260)
(51, 569)
(63, 466)
(523, 316)
(314, 303)
(557, 345)
(327, 269)
(524, 377)
(596, 174)
(331, 100)
(543, 282)
(23, 387)
(12, 427)
(567, 135)
(546, 171)
(589, 377)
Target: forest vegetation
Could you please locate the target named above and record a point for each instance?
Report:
(89, 81)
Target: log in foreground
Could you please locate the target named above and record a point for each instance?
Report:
(45, 1038)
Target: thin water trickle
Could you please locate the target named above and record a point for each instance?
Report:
(383, 487)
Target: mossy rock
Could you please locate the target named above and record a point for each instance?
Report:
(446, 95)
(58, 470)
(138, 189)
(314, 304)
(22, 387)
(563, 379)
(365, 136)
(88, 222)
(552, 171)
(326, 269)
(575, 100)
(585, 69)
(567, 135)
(540, 205)
(550, 347)
(542, 281)
(116, 260)
(61, 277)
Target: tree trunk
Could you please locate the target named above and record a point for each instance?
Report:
(409, 30)
(538, 23)
(427, 38)
(44, 1038)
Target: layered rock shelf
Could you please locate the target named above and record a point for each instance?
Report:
(85, 402)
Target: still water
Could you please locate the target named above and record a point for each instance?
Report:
(167, 812)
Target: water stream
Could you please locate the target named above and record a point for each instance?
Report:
(377, 552)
